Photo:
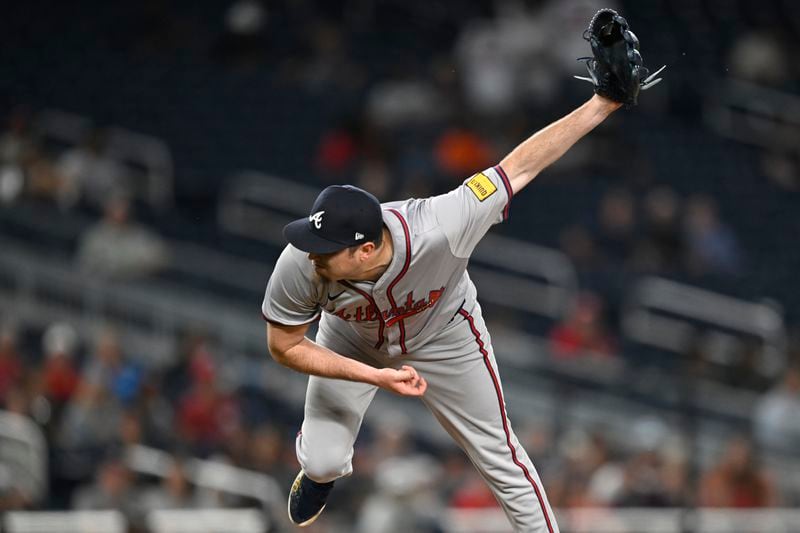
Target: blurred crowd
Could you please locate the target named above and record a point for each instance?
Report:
(94, 400)
(82, 177)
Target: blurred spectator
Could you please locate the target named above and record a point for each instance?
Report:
(474, 493)
(567, 18)
(583, 456)
(17, 400)
(461, 152)
(92, 171)
(712, 246)
(782, 167)
(327, 64)
(112, 489)
(176, 376)
(662, 247)
(405, 497)
(644, 482)
(206, 415)
(108, 369)
(16, 140)
(617, 224)
(130, 429)
(759, 57)
(737, 480)
(583, 332)
(95, 416)
(373, 175)
(455, 469)
(502, 59)
(241, 43)
(15, 143)
(266, 454)
(508, 60)
(654, 476)
(746, 370)
(777, 414)
(12, 183)
(58, 378)
(337, 152)
(91, 420)
(402, 481)
(580, 247)
(118, 248)
(735, 361)
(405, 100)
(174, 492)
(11, 367)
(155, 416)
(45, 181)
(11, 497)
(488, 71)
(538, 440)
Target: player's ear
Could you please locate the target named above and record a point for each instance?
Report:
(367, 249)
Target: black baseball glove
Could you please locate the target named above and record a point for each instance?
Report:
(616, 69)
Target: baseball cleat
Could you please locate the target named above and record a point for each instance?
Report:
(307, 499)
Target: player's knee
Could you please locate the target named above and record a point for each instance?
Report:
(328, 464)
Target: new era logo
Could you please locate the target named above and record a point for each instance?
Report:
(359, 236)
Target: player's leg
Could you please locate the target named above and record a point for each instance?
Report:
(466, 397)
(334, 411)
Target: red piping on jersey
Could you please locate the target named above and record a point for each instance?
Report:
(509, 190)
(501, 402)
(400, 275)
(381, 324)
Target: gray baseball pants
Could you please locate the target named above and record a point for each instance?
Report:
(464, 394)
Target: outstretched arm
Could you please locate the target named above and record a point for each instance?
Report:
(547, 145)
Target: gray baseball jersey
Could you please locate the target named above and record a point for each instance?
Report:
(425, 284)
(422, 310)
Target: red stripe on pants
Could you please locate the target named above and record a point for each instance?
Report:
(500, 400)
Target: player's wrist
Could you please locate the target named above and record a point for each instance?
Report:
(373, 376)
(605, 104)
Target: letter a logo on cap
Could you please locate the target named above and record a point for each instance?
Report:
(316, 218)
(359, 236)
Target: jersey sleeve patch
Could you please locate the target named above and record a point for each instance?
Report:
(481, 186)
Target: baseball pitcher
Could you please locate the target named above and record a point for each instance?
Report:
(397, 309)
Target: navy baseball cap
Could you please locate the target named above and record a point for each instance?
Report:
(342, 216)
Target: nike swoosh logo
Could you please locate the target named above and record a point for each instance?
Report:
(332, 298)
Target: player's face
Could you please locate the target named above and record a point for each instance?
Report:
(336, 266)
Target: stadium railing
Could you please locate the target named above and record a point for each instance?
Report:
(585, 520)
(159, 521)
(637, 520)
(207, 521)
(669, 315)
(209, 474)
(64, 522)
(143, 156)
(755, 115)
